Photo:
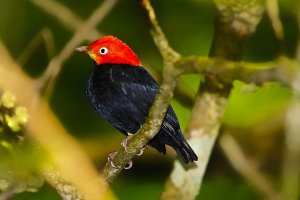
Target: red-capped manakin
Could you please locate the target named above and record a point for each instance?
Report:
(122, 92)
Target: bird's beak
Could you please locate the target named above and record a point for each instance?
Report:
(82, 49)
(86, 50)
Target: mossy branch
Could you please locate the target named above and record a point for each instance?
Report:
(236, 21)
(159, 108)
(281, 70)
(211, 103)
(147, 131)
(239, 161)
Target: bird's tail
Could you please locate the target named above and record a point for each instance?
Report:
(184, 150)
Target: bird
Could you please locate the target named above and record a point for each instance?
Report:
(122, 91)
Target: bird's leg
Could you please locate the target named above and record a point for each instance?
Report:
(110, 160)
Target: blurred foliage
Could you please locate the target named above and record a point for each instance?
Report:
(19, 168)
(258, 104)
(189, 26)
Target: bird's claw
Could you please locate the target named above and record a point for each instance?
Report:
(141, 151)
(129, 165)
(124, 145)
(110, 160)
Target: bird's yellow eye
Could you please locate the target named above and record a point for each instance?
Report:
(103, 50)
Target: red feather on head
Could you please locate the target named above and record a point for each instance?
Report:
(110, 49)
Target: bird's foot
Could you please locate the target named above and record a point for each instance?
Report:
(141, 151)
(124, 145)
(110, 160)
(129, 165)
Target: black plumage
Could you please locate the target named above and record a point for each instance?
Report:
(123, 95)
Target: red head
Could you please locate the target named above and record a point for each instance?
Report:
(110, 49)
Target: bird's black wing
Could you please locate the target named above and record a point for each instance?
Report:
(140, 88)
(137, 85)
(123, 95)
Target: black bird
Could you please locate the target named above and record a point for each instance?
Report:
(122, 92)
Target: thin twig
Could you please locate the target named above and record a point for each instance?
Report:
(10, 191)
(273, 14)
(56, 63)
(44, 35)
(66, 17)
(239, 161)
(159, 37)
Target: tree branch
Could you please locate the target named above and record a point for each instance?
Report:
(158, 110)
(10, 191)
(291, 165)
(273, 14)
(45, 128)
(184, 182)
(282, 70)
(168, 54)
(238, 160)
(236, 21)
(44, 35)
(66, 17)
(56, 63)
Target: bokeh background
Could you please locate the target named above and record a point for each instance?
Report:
(255, 114)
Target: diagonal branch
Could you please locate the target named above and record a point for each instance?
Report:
(159, 37)
(56, 63)
(238, 160)
(160, 105)
(273, 14)
(10, 191)
(66, 17)
(236, 20)
(44, 35)
(45, 128)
